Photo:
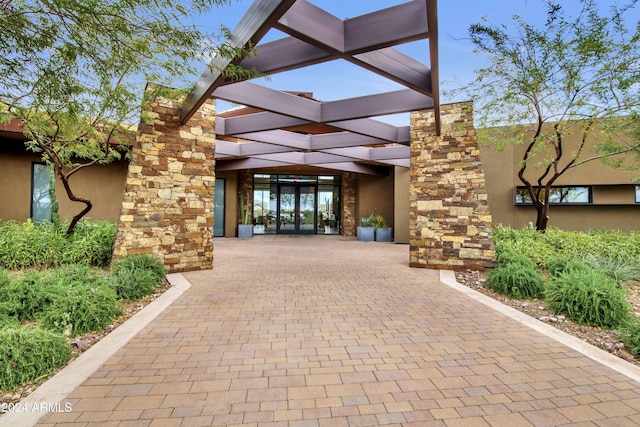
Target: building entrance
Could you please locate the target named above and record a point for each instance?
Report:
(296, 204)
(296, 209)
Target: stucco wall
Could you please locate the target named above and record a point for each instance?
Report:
(401, 205)
(102, 184)
(614, 194)
(375, 193)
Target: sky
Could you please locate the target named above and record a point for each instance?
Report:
(339, 79)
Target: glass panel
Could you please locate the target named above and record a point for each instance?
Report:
(558, 195)
(569, 195)
(287, 209)
(307, 209)
(40, 197)
(218, 208)
(264, 206)
(637, 193)
(328, 209)
(297, 178)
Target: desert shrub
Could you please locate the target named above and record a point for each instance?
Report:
(630, 335)
(26, 245)
(24, 297)
(559, 264)
(27, 354)
(543, 247)
(91, 243)
(4, 277)
(135, 276)
(516, 276)
(81, 301)
(589, 297)
(615, 265)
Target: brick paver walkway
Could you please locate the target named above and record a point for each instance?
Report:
(328, 331)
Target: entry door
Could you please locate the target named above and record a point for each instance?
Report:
(297, 209)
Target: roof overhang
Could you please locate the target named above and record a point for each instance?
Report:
(313, 36)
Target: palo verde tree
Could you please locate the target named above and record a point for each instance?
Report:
(568, 78)
(73, 73)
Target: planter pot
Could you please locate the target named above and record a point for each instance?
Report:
(245, 231)
(383, 234)
(366, 234)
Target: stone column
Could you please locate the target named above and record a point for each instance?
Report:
(450, 222)
(167, 209)
(349, 222)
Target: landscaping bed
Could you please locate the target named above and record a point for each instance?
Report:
(61, 294)
(586, 284)
(604, 339)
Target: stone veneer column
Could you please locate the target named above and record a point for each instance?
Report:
(167, 209)
(450, 223)
(349, 204)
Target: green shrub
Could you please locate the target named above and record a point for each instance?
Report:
(135, 276)
(24, 297)
(588, 297)
(615, 265)
(517, 279)
(91, 243)
(81, 301)
(27, 354)
(558, 264)
(542, 247)
(630, 335)
(4, 278)
(26, 245)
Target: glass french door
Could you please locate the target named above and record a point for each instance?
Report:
(297, 213)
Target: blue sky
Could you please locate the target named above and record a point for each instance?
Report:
(338, 80)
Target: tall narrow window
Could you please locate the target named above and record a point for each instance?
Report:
(637, 193)
(40, 192)
(218, 210)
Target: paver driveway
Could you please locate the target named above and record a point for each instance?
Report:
(328, 331)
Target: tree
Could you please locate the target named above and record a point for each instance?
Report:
(574, 77)
(73, 72)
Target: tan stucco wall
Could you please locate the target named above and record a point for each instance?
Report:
(15, 181)
(401, 205)
(230, 203)
(375, 193)
(103, 185)
(502, 177)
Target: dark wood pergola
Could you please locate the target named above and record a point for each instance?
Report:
(354, 141)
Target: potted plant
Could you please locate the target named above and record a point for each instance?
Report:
(245, 228)
(382, 231)
(366, 232)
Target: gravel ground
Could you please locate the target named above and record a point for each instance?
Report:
(602, 338)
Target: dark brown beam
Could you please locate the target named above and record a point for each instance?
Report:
(259, 19)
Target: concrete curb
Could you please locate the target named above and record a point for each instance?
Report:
(57, 388)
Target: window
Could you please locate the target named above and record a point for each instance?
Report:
(40, 192)
(637, 193)
(569, 195)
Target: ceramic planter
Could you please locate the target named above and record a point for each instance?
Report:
(245, 231)
(366, 234)
(383, 234)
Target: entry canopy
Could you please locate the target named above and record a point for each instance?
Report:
(285, 128)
